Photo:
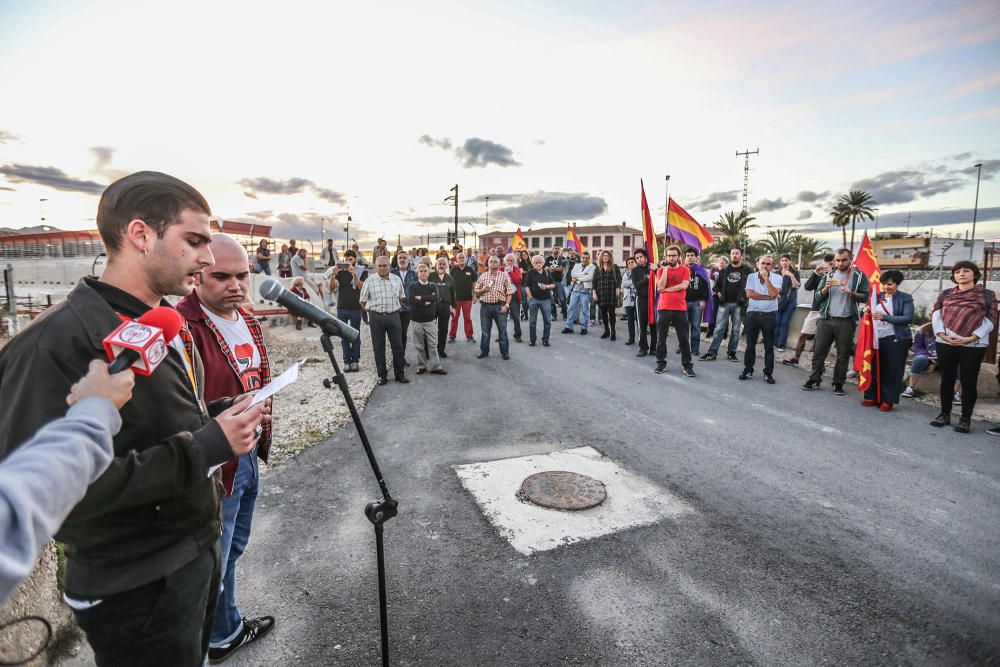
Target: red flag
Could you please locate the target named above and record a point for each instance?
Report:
(865, 352)
(652, 253)
(868, 264)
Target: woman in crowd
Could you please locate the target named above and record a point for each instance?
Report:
(790, 283)
(963, 317)
(607, 290)
(284, 262)
(892, 315)
(446, 300)
(628, 299)
(299, 290)
(515, 275)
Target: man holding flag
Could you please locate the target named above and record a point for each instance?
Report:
(647, 259)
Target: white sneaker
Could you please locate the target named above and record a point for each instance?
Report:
(957, 400)
(908, 393)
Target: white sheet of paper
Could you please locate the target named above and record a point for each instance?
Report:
(277, 384)
(272, 388)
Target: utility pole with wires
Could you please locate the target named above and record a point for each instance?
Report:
(746, 174)
(454, 198)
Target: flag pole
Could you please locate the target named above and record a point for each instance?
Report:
(666, 214)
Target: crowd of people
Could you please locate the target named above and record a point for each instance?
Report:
(729, 301)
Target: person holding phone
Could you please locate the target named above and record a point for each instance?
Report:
(842, 292)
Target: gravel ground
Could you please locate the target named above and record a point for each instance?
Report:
(307, 412)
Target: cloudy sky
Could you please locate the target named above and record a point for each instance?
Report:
(291, 111)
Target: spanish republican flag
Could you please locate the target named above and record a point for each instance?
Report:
(648, 236)
(684, 228)
(652, 253)
(518, 243)
(573, 241)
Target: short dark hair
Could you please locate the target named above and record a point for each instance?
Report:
(693, 251)
(828, 257)
(892, 275)
(785, 255)
(350, 253)
(966, 264)
(639, 251)
(736, 247)
(155, 198)
(842, 251)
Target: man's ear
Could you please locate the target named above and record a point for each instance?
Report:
(138, 235)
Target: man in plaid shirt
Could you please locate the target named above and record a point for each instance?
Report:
(494, 290)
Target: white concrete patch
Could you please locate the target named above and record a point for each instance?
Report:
(632, 501)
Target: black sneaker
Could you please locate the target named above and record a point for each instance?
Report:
(566, 331)
(253, 629)
(642, 353)
(768, 379)
(660, 369)
(838, 389)
(688, 372)
(995, 431)
(746, 374)
(790, 362)
(810, 385)
(731, 356)
(708, 356)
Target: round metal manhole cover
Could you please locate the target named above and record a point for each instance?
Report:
(561, 490)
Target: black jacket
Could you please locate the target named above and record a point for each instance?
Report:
(722, 279)
(155, 509)
(640, 281)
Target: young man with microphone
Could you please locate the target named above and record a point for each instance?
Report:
(231, 345)
(142, 573)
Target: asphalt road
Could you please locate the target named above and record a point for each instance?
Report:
(822, 532)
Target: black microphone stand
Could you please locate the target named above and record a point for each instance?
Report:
(377, 511)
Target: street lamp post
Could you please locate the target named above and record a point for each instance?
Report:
(975, 210)
(347, 233)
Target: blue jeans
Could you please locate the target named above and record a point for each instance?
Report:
(263, 268)
(352, 351)
(524, 301)
(630, 316)
(515, 314)
(694, 317)
(728, 312)
(784, 317)
(920, 364)
(488, 314)
(559, 299)
(579, 306)
(534, 306)
(237, 515)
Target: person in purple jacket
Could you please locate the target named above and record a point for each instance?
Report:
(924, 361)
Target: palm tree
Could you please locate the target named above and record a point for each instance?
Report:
(732, 230)
(840, 219)
(779, 241)
(809, 248)
(854, 206)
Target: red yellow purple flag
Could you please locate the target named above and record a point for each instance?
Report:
(683, 227)
(652, 253)
(573, 241)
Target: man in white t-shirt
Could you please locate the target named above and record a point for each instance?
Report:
(231, 345)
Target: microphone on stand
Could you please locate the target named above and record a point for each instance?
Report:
(142, 344)
(272, 290)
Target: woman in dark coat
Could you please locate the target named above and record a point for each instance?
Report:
(607, 292)
(892, 314)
